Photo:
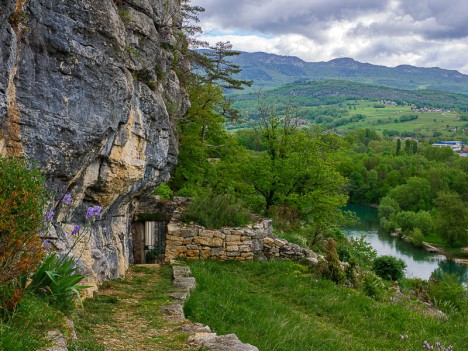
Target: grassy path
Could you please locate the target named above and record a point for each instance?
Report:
(125, 314)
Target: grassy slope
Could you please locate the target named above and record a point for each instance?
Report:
(279, 307)
(27, 328)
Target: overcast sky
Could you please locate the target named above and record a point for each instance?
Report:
(425, 33)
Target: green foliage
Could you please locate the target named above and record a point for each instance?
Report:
(25, 329)
(57, 280)
(164, 191)
(417, 237)
(331, 268)
(216, 211)
(446, 292)
(361, 252)
(389, 267)
(22, 199)
(452, 218)
(373, 286)
(415, 195)
(406, 118)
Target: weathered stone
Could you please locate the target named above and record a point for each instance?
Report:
(218, 252)
(245, 248)
(228, 342)
(192, 247)
(232, 237)
(188, 232)
(232, 248)
(193, 253)
(280, 243)
(217, 242)
(233, 254)
(219, 235)
(206, 233)
(201, 240)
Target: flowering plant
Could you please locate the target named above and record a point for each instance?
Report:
(57, 277)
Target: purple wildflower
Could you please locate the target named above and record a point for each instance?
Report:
(75, 230)
(97, 211)
(66, 199)
(90, 212)
(49, 216)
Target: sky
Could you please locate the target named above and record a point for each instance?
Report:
(424, 33)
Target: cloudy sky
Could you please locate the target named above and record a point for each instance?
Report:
(426, 33)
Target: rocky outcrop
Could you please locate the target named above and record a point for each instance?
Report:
(88, 90)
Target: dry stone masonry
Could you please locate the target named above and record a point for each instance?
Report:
(255, 241)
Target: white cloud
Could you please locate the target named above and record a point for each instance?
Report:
(426, 33)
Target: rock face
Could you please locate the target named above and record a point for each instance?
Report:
(88, 90)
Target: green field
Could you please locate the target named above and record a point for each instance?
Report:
(382, 119)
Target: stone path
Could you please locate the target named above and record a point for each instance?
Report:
(200, 335)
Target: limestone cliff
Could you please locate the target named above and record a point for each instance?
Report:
(88, 90)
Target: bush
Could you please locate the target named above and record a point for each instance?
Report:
(57, 279)
(332, 268)
(163, 191)
(373, 286)
(389, 267)
(216, 211)
(417, 237)
(446, 292)
(22, 199)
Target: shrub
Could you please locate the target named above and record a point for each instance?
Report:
(373, 286)
(57, 279)
(446, 292)
(163, 191)
(22, 199)
(389, 267)
(216, 211)
(417, 237)
(332, 268)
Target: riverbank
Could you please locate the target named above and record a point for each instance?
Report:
(460, 258)
(419, 262)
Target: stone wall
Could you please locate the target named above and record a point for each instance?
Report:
(255, 241)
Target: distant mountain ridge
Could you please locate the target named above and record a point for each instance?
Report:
(271, 70)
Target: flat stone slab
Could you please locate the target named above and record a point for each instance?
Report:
(186, 283)
(229, 342)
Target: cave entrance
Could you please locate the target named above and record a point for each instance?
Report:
(149, 241)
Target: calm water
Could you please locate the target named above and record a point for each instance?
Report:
(419, 263)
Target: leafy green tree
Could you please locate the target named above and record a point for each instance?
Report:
(389, 267)
(415, 195)
(452, 218)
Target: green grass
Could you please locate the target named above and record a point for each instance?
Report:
(279, 306)
(28, 325)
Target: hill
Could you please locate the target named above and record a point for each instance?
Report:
(270, 70)
(327, 92)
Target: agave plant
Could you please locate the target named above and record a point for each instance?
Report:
(58, 279)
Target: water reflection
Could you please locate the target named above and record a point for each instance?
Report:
(419, 262)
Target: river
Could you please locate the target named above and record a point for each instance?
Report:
(419, 262)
